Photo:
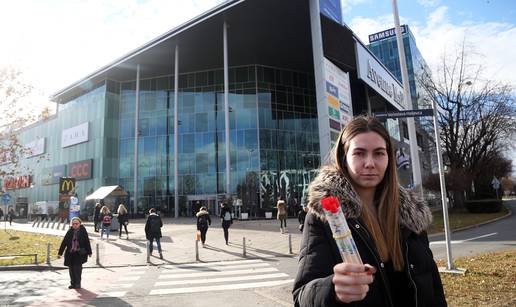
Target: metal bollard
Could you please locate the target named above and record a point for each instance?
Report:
(36, 258)
(197, 250)
(290, 243)
(48, 253)
(148, 254)
(243, 248)
(97, 255)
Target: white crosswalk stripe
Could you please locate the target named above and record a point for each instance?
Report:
(218, 276)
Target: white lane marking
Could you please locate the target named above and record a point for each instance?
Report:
(218, 273)
(221, 287)
(137, 268)
(222, 279)
(217, 268)
(122, 286)
(135, 273)
(131, 278)
(112, 294)
(466, 240)
(26, 299)
(222, 263)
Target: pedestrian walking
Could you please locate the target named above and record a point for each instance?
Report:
(123, 220)
(226, 219)
(386, 221)
(203, 222)
(153, 231)
(1, 213)
(282, 215)
(106, 217)
(96, 217)
(76, 247)
(301, 215)
(11, 216)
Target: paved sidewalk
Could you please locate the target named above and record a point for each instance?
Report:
(263, 240)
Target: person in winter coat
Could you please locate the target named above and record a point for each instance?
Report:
(123, 220)
(76, 247)
(96, 217)
(203, 222)
(386, 221)
(301, 215)
(226, 219)
(282, 214)
(153, 231)
(11, 216)
(106, 217)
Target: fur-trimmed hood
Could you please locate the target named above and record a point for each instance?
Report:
(414, 212)
(202, 212)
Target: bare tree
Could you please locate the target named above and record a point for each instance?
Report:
(478, 115)
(15, 113)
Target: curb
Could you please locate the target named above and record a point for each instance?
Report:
(31, 267)
(476, 225)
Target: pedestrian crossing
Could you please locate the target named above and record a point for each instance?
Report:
(218, 276)
(45, 287)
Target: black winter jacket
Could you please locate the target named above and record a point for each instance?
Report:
(319, 253)
(153, 226)
(84, 242)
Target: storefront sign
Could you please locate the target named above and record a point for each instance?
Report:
(20, 182)
(338, 97)
(378, 77)
(66, 185)
(81, 170)
(386, 34)
(35, 148)
(74, 135)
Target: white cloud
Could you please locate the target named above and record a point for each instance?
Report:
(429, 3)
(347, 5)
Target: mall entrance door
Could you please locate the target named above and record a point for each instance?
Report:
(195, 202)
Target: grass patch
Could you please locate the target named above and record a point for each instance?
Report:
(459, 219)
(490, 280)
(20, 242)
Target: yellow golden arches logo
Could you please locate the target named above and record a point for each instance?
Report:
(66, 185)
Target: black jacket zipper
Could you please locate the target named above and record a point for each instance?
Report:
(375, 256)
(407, 264)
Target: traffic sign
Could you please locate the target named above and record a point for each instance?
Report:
(6, 198)
(405, 113)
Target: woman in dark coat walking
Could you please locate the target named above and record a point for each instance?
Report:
(123, 220)
(153, 231)
(387, 223)
(96, 217)
(227, 220)
(76, 247)
(203, 221)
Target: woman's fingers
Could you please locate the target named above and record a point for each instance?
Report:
(351, 281)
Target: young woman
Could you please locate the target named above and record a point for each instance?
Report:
(106, 217)
(282, 214)
(96, 217)
(387, 223)
(76, 247)
(203, 221)
(227, 220)
(123, 220)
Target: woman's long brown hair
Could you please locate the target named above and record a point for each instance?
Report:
(385, 231)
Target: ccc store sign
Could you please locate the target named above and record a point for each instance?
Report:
(80, 170)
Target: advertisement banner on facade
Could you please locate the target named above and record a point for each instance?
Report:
(331, 9)
(338, 98)
(75, 207)
(51, 175)
(75, 135)
(35, 148)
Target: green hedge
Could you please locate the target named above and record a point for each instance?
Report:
(484, 205)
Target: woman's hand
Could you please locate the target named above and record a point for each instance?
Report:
(58, 256)
(352, 281)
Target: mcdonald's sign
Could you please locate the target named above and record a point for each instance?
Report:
(66, 185)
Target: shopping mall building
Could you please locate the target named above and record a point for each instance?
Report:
(244, 100)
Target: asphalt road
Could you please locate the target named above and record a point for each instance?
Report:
(496, 236)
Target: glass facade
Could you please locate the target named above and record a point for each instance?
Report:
(273, 138)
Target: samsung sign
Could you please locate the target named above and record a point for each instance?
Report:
(386, 34)
(74, 135)
(378, 78)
